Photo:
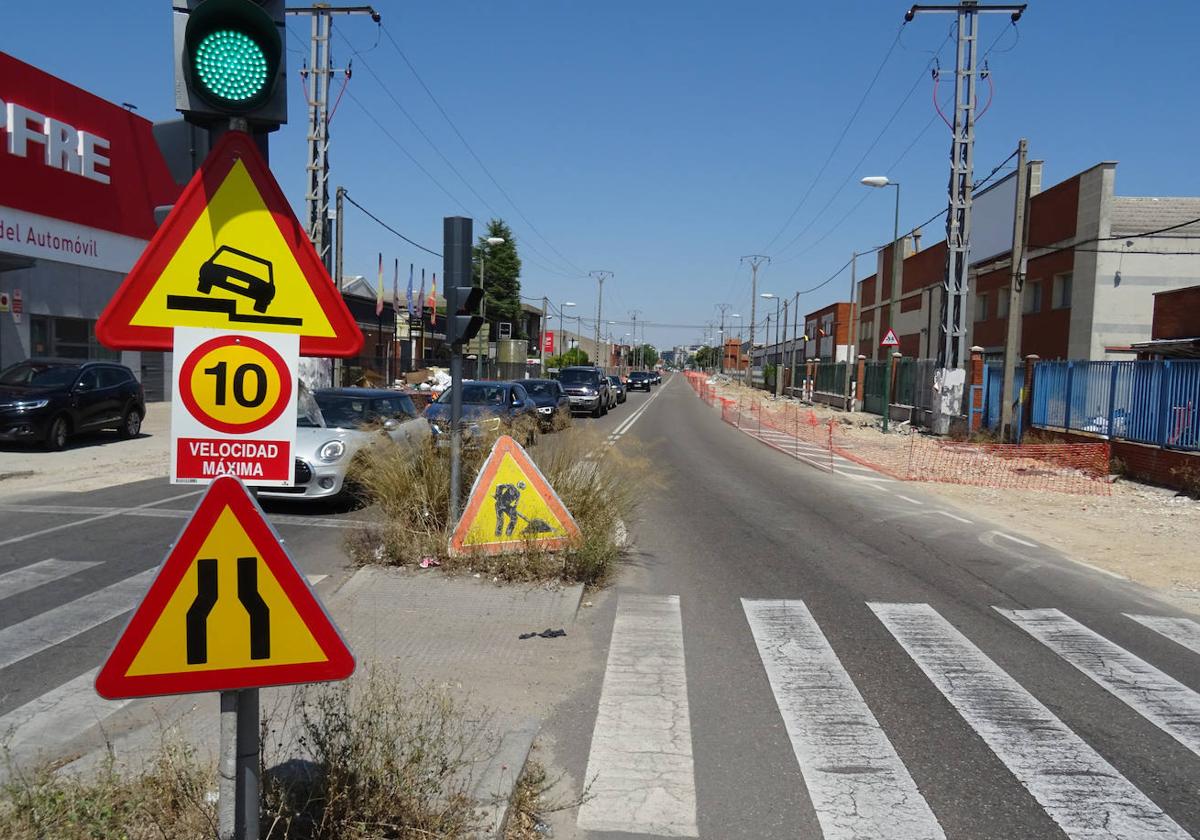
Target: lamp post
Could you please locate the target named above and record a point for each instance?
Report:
(562, 341)
(880, 181)
(491, 240)
(774, 297)
(737, 363)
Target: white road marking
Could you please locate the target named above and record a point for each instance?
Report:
(910, 501)
(56, 718)
(880, 489)
(1164, 701)
(171, 513)
(640, 767)
(313, 580)
(109, 515)
(1080, 791)
(953, 516)
(859, 786)
(1182, 631)
(1017, 540)
(36, 574)
(45, 630)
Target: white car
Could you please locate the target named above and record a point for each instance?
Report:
(334, 425)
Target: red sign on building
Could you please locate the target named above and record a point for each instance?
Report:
(548, 341)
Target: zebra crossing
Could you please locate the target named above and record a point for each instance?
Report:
(641, 765)
(815, 455)
(45, 725)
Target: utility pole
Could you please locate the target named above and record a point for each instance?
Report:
(755, 261)
(321, 70)
(1012, 340)
(779, 371)
(953, 331)
(724, 307)
(339, 254)
(600, 276)
(795, 338)
(542, 337)
(636, 347)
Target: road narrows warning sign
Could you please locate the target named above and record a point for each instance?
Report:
(511, 504)
(228, 610)
(230, 255)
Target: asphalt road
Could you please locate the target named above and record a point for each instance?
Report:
(72, 566)
(793, 653)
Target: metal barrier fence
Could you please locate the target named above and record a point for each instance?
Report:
(1080, 468)
(1153, 402)
(831, 378)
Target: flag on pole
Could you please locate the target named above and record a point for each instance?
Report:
(379, 293)
(412, 308)
(422, 297)
(433, 300)
(396, 290)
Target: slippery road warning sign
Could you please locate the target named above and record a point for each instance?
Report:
(227, 610)
(512, 504)
(231, 255)
(234, 411)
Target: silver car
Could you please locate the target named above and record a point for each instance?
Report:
(334, 425)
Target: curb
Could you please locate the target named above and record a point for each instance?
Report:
(497, 782)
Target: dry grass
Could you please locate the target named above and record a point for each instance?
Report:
(351, 761)
(411, 488)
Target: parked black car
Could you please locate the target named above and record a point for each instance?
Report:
(48, 400)
(553, 404)
(488, 407)
(588, 389)
(640, 380)
(618, 386)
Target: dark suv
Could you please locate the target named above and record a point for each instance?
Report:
(588, 389)
(49, 400)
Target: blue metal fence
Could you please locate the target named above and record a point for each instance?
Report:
(993, 382)
(1155, 402)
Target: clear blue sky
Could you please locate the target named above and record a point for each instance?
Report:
(661, 141)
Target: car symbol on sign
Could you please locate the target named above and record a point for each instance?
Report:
(241, 273)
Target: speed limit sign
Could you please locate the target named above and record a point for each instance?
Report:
(234, 411)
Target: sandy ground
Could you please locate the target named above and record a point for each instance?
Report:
(90, 461)
(1147, 534)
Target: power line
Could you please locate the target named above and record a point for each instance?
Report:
(837, 143)
(388, 227)
(471, 150)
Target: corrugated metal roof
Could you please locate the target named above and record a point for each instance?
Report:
(1132, 214)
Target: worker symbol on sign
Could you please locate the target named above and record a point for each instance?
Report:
(241, 273)
(207, 592)
(507, 497)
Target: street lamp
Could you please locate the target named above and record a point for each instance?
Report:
(491, 240)
(738, 356)
(880, 181)
(562, 340)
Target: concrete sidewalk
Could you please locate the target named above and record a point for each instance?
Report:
(457, 633)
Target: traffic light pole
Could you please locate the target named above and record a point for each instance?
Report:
(461, 326)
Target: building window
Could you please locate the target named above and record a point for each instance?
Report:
(1032, 298)
(1062, 290)
(67, 338)
(981, 306)
(1002, 303)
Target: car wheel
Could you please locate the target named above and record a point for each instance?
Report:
(597, 411)
(56, 437)
(131, 424)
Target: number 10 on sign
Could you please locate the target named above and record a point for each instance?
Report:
(234, 407)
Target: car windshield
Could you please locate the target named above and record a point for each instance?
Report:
(577, 377)
(616, 380)
(477, 393)
(308, 413)
(541, 389)
(354, 411)
(638, 375)
(39, 375)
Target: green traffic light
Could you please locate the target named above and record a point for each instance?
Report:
(231, 65)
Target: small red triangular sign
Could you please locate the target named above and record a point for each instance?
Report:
(227, 610)
(889, 339)
(230, 255)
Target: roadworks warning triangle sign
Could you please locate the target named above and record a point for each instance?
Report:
(227, 610)
(231, 255)
(512, 505)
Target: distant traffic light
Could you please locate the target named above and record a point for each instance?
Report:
(462, 297)
(230, 62)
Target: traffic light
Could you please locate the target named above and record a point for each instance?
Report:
(230, 62)
(462, 296)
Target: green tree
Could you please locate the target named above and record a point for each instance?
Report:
(647, 355)
(501, 275)
(574, 356)
(705, 357)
